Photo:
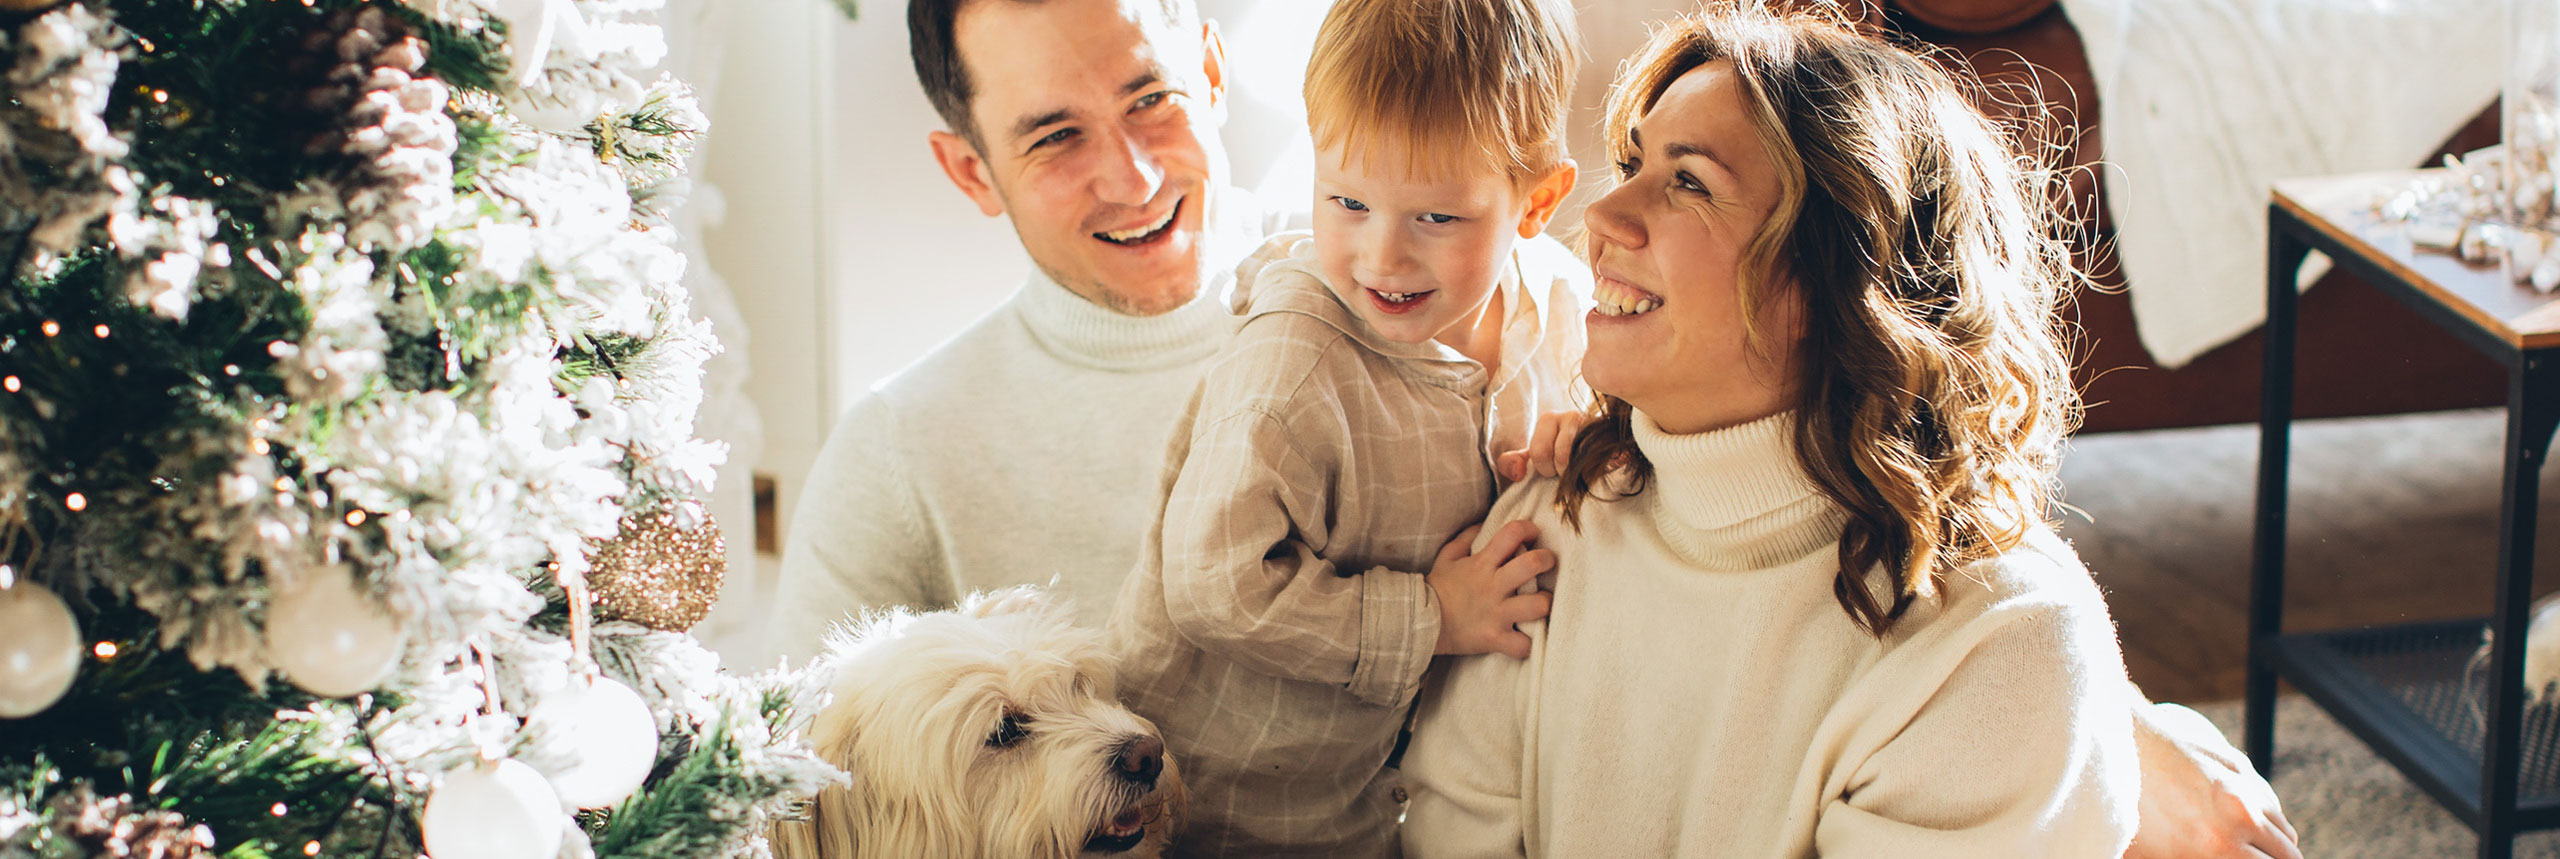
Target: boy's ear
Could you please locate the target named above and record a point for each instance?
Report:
(1213, 64)
(1546, 198)
(968, 170)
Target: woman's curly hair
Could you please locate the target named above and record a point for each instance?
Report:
(1933, 391)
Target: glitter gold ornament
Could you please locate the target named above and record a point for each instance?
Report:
(658, 573)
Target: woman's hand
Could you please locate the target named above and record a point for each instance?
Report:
(2200, 798)
(1479, 592)
(1550, 448)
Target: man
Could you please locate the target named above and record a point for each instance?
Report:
(1030, 445)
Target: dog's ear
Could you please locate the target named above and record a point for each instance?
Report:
(1019, 599)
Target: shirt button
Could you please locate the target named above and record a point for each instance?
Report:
(1399, 794)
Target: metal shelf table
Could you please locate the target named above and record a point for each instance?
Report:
(2410, 691)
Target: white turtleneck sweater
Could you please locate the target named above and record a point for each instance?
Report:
(1026, 448)
(1698, 691)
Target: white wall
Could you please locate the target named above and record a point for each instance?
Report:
(757, 65)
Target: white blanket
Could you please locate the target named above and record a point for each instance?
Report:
(2204, 103)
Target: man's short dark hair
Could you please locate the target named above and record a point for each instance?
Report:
(933, 44)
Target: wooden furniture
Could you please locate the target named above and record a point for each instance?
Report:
(2414, 692)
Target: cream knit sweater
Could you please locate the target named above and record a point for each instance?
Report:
(1699, 692)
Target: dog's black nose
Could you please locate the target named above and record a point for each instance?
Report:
(1141, 760)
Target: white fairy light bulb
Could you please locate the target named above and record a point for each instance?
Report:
(496, 810)
(612, 733)
(329, 639)
(39, 647)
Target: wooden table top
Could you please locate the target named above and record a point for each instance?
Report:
(2341, 207)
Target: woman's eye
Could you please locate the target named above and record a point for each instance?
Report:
(1628, 167)
(1437, 218)
(1007, 733)
(1150, 100)
(1351, 204)
(1687, 182)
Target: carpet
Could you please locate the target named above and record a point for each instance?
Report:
(2349, 803)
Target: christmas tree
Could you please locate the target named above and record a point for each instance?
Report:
(347, 472)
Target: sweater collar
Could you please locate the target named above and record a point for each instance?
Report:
(1080, 330)
(1735, 498)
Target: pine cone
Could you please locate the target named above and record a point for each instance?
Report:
(113, 828)
(372, 109)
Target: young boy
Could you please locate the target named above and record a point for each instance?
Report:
(1303, 574)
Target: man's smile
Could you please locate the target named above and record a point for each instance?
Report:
(1146, 233)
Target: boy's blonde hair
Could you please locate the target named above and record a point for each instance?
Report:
(1441, 78)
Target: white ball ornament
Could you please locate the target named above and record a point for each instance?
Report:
(329, 639)
(501, 810)
(39, 648)
(614, 736)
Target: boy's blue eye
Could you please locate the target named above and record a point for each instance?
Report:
(1150, 100)
(1437, 218)
(1351, 204)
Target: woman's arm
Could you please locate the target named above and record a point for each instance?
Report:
(2200, 797)
(2024, 749)
(1464, 769)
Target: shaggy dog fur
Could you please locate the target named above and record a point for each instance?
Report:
(987, 732)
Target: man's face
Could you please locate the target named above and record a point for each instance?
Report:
(1098, 130)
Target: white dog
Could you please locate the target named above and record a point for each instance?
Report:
(987, 732)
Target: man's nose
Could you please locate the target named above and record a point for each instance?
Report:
(1129, 173)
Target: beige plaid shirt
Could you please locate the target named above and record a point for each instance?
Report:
(1277, 624)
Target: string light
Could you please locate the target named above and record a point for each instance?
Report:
(311, 848)
(105, 650)
(258, 446)
(76, 501)
(52, 328)
(231, 369)
(11, 383)
(160, 96)
(284, 484)
(355, 518)
(101, 331)
(278, 810)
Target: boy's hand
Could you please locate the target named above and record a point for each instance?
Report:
(1550, 447)
(1480, 595)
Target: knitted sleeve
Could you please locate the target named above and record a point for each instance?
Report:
(2024, 749)
(1242, 578)
(860, 539)
(1465, 767)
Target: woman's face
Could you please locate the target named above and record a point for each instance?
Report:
(1666, 246)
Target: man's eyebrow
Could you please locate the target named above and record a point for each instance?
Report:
(1033, 123)
(1145, 79)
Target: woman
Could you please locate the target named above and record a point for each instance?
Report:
(1806, 520)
